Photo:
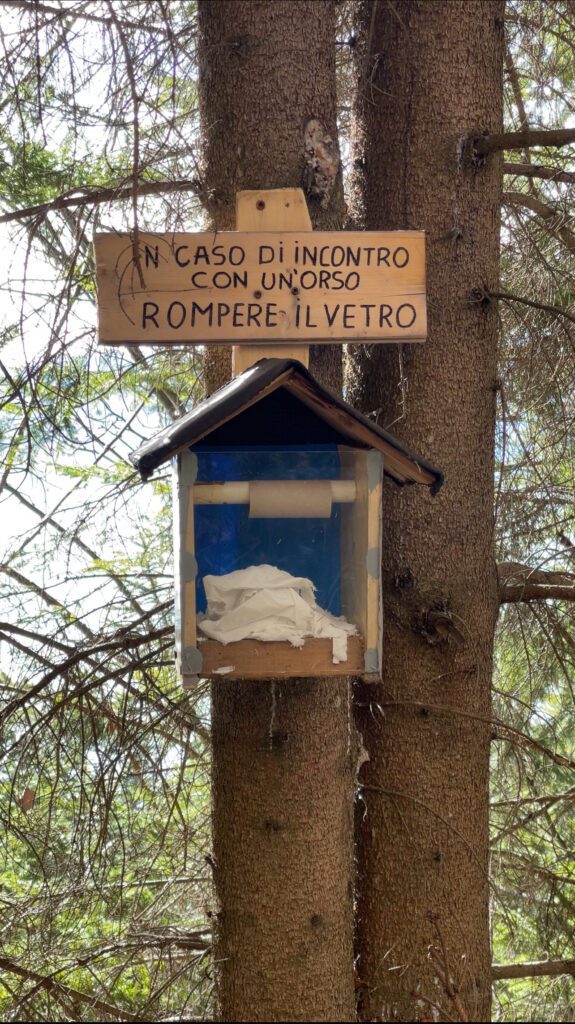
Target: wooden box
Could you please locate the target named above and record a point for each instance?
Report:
(350, 543)
(310, 468)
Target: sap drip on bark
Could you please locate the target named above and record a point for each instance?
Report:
(273, 696)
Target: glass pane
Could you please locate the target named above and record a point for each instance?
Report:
(228, 539)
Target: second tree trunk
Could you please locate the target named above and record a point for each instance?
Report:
(430, 75)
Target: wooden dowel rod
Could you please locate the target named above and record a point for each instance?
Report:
(237, 492)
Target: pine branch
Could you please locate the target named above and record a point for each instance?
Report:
(122, 643)
(524, 862)
(483, 145)
(40, 638)
(95, 197)
(544, 806)
(530, 800)
(166, 396)
(80, 12)
(540, 171)
(554, 219)
(515, 82)
(46, 518)
(519, 582)
(536, 969)
(46, 596)
(531, 202)
(484, 297)
(63, 993)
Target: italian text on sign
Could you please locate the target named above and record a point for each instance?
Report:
(238, 286)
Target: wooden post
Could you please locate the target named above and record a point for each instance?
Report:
(284, 758)
(277, 209)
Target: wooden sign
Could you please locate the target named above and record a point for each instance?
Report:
(236, 286)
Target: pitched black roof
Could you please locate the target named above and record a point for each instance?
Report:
(302, 410)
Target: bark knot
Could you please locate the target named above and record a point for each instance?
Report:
(271, 825)
(277, 739)
(239, 46)
(438, 624)
(404, 580)
(480, 297)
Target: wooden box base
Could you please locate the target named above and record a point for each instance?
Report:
(258, 659)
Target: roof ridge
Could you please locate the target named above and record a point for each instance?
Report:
(259, 381)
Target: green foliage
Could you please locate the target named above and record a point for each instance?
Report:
(104, 785)
(104, 779)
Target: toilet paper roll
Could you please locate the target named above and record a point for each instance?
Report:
(290, 499)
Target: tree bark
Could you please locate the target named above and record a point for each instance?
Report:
(431, 77)
(266, 71)
(282, 799)
(283, 753)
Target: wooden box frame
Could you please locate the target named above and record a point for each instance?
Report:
(360, 553)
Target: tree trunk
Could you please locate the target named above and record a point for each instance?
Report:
(282, 793)
(431, 73)
(283, 753)
(267, 69)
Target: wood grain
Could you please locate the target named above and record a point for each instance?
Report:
(257, 659)
(261, 286)
(258, 210)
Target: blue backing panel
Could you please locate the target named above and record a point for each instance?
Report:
(227, 539)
